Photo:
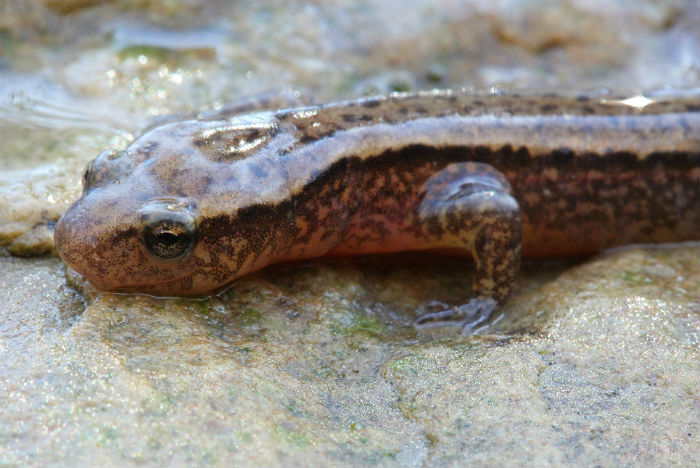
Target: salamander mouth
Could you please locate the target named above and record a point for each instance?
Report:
(158, 289)
(165, 288)
(181, 286)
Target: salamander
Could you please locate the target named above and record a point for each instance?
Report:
(191, 206)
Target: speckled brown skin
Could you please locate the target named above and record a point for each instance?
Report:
(437, 171)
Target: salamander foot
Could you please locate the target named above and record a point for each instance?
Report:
(469, 316)
(471, 206)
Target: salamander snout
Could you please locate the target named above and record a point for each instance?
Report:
(119, 243)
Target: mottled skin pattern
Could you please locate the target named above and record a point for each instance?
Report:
(486, 175)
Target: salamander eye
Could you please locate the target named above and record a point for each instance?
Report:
(168, 239)
(168, 229)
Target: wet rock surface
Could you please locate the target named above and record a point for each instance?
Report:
(593, 361)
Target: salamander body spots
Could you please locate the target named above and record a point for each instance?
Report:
(190, 206)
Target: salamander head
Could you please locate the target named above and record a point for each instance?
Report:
(138, 226)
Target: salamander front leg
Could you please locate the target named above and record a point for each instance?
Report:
(470, 205)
